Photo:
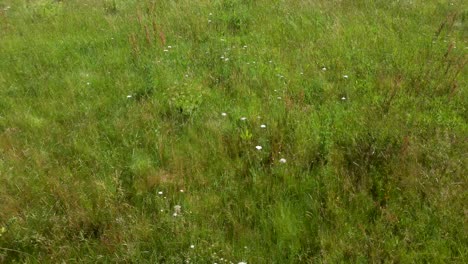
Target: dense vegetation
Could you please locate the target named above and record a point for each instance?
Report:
(228, 131)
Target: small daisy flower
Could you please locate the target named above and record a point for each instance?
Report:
(282, 160)
(263, 126)
(258, 147)
(177, 209)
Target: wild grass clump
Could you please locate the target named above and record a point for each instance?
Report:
(233, 131)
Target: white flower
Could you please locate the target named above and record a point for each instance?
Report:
(242, 262)
(279, 97)
(192, 246)
(226, 59)
(258, 147)
(282, 160)
(324, 69)
(169, 47)
(160, 193)
(345, 76)
(343, 98)
(166, 50)
(263, 126)
(177, 209)
(243, 118)
(181, 191)
(175, 214)
(129, 96)
(209, 20)
(88, 83)
(223, 114)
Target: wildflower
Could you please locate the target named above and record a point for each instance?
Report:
(258, 147)
(223, 114)
(226, 59)
(209, 20)
(169, 47)
(177, 208)
(282, 160)
(324, 69)
(174, 214)
(166, 50)
(263, 126)
(160, 193)
(181, 190)
(129, 96)
(192, 246)
(345, 76)
(279, 97)
(88, 83)
(343, 98)
(243, 118)
(242, 262)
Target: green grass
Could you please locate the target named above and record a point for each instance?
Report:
(102, 124)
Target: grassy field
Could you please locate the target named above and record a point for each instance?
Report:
(230, 131)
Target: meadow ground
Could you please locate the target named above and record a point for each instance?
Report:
(228, 131)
